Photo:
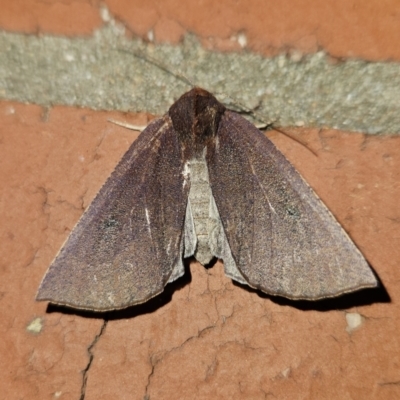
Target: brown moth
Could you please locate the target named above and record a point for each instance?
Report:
(203, 181)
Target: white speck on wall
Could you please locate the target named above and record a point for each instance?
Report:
(354, 321)
(281, 61)
(110, 298)
(10, 110)
(242, 40)
(105, 14)
(150, 35)
(57, 395)
(69, 57)
(35, 326)
(296, 56)
(286, 372)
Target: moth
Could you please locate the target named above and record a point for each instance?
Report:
(202, 181)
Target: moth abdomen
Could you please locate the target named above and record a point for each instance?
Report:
(199, 198)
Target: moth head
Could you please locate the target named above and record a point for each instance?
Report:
(196, 116)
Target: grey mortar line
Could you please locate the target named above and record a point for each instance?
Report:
(294, 90)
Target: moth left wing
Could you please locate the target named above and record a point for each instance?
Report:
(129, 242)
(283, 239)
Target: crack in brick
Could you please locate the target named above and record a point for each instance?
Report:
(266, 394)
(85, 372)
(44, 192)
(211, 369)
(146, 389)
(32, 259)
(395, 383)
(159, 359)
(95, 154)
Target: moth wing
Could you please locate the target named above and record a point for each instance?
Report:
(283, 239)
(128, 244)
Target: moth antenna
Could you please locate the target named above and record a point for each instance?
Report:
(159, 65)
(297, 140)
(243, 109)
(132, 127)
(262, 125)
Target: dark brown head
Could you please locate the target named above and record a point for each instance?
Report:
(196, 116)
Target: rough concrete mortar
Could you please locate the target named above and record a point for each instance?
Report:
(111, 72)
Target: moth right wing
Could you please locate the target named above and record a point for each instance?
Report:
(283, 239)
(129, 242)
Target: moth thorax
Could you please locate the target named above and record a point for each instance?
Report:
(196, 116)
(206, 123)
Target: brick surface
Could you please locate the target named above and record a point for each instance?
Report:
(204, 337)
(343, 28)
